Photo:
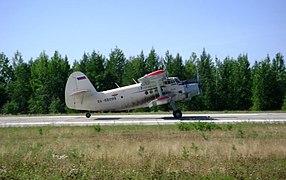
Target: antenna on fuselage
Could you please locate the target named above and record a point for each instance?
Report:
(135, 81)
(117, 85)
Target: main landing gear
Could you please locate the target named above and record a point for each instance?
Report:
(177, 114)
(87, 115)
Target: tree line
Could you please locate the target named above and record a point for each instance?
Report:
(37, 86)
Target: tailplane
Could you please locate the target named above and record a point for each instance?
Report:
(78, 87)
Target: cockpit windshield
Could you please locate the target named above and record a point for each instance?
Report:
(172, 80)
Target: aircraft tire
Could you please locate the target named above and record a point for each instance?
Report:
(87, 115)
(177, 114)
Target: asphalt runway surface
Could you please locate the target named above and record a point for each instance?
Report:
(135, 119)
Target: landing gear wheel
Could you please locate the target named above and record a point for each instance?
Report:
(177, 114)
(87, 115)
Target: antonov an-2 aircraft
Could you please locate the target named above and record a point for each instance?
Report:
(153, 89)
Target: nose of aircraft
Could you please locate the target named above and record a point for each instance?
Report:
(192, 89)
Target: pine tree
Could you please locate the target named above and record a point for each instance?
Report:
(134, 69)
(94, 67)
(115, 68)
(207, 73)
(174, 66)
(82, 64)
(265, 86)
(58, 71)
(96, 70)
(243, 83)
(190, 69)
(284, 104)
(278, 66)
(152, 62)
(226, 85)
(6, 76)
(169, 61)
(190, 73)
(19, 89)
(40, 99)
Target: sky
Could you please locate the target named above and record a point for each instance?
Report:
(221, 27)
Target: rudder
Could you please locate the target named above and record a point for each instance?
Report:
(78, 87)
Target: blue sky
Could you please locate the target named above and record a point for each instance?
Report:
(222, 27)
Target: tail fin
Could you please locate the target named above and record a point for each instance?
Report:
(78, 87)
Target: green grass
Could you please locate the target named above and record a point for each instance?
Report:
(204, 151)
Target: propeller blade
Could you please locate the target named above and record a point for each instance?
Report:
(199, 84)
(201, 90)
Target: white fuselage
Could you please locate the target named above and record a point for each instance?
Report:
(153, 89)
(135, 96)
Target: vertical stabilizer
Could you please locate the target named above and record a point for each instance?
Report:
(79, 91)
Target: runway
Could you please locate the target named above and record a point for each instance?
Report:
(136, 119)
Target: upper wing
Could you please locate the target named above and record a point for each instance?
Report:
(151, 79)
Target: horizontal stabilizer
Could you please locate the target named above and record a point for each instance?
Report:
(79, 92)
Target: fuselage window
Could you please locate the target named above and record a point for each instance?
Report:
(146, 92)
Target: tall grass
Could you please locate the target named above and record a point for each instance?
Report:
(144, 152)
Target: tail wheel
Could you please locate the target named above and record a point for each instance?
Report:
(87, 115)
(177, 114)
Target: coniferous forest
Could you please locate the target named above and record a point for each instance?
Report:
(37, 86)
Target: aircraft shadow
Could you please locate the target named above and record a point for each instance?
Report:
(185, 118)
(107, 119)
(192, 118)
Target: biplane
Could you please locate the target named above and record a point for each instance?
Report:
(153, 89)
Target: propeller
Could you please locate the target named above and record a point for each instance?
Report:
(199, 84)
(167, 73)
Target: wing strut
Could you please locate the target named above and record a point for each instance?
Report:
(159, 88)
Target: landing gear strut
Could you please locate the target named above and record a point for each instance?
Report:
(177, 113)
(87, 115)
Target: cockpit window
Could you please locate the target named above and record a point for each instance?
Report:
(172, 80)
(177, 81)
(167, 82)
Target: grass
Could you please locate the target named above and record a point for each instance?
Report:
(204, 151)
